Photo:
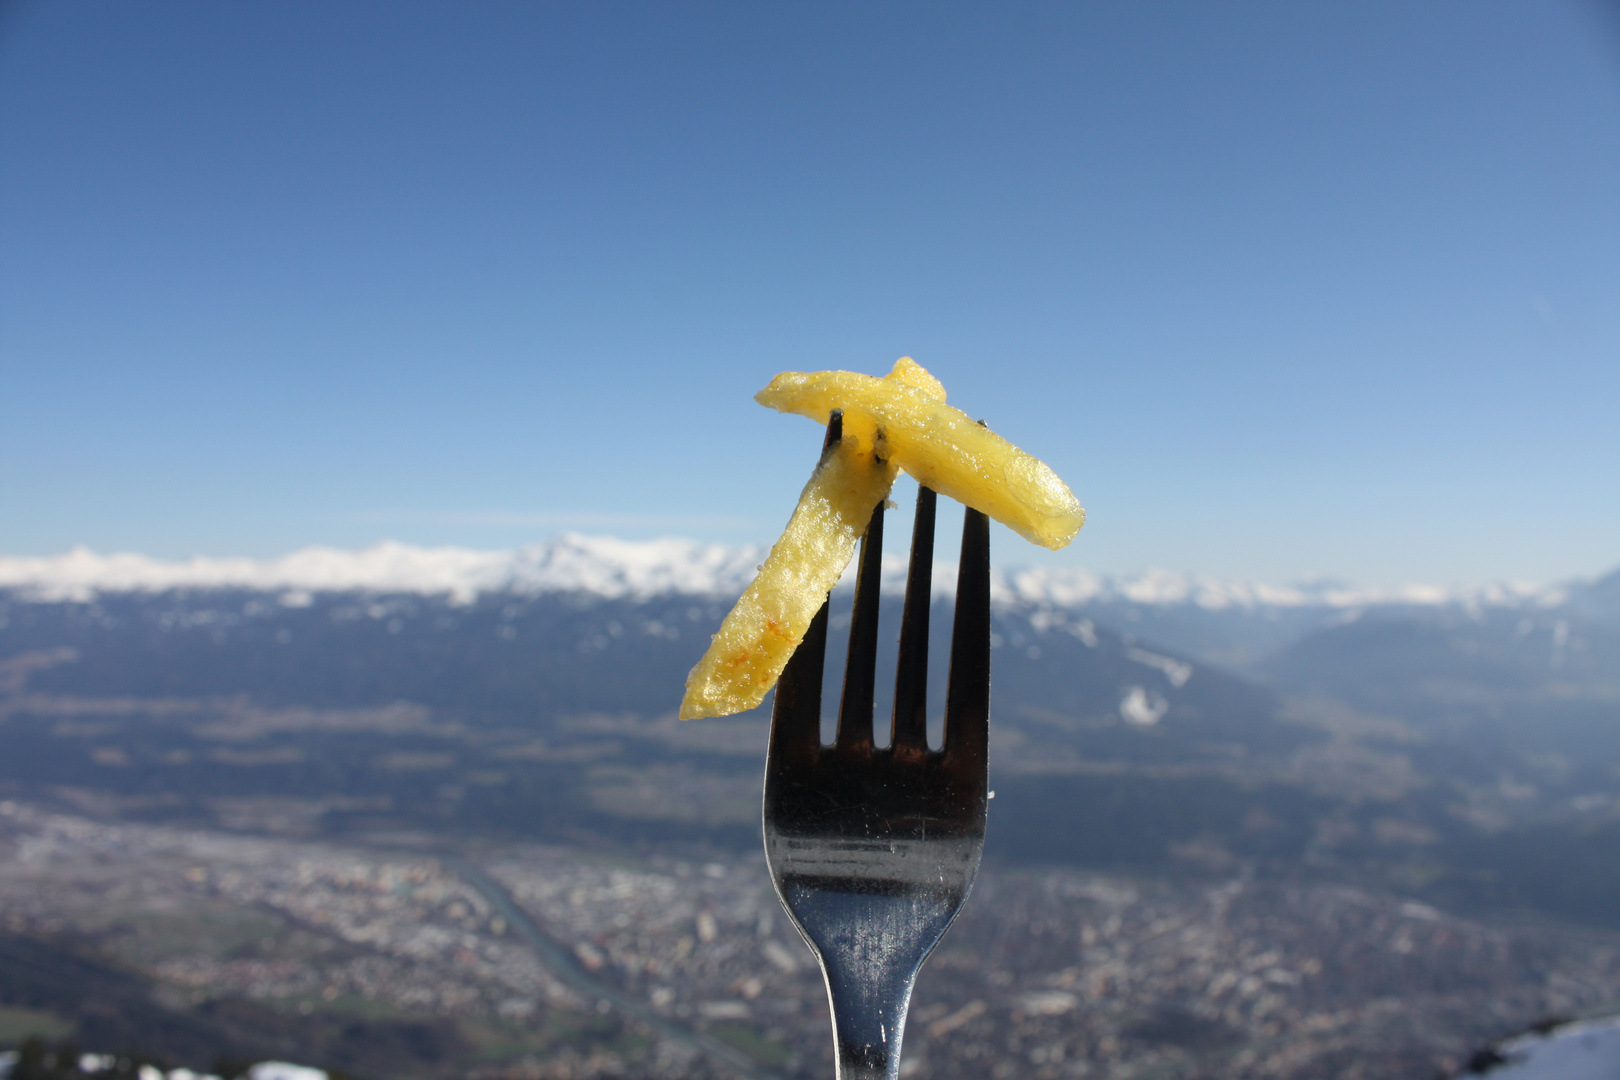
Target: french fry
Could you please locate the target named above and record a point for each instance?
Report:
(770, 619)
(940, 446)
(899, 421)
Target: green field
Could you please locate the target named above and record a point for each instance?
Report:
(17, 1024)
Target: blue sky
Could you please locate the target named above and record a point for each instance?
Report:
(1280, 289)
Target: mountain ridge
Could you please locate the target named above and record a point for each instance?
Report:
(640, 569)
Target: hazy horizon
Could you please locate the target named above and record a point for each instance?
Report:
(428, 567)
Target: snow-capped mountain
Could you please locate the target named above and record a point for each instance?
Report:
(609, 567)
(599, 565)
(1356, 645)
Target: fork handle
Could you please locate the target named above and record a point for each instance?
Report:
(870, 946)
(869, 1020)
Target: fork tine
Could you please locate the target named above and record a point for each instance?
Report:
(835, 431)
(855, 708)
(910, 729)
(796, 711)
(967, 701)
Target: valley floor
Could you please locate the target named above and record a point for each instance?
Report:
(398, 957)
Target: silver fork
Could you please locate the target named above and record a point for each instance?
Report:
(873, 851)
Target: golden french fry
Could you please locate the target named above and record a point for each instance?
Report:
(759, 635)
(898, 421)
(940, 446)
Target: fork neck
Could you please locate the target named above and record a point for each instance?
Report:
(867, 1041)
(857, 1066)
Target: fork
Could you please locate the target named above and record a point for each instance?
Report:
(873, 850)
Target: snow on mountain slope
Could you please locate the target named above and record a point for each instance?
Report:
(600, 565)
(1165, 588)
(609, 567)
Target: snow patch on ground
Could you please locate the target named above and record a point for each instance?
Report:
(1589, 1050)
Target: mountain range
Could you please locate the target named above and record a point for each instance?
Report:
(1462, 745)
(611, 567)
